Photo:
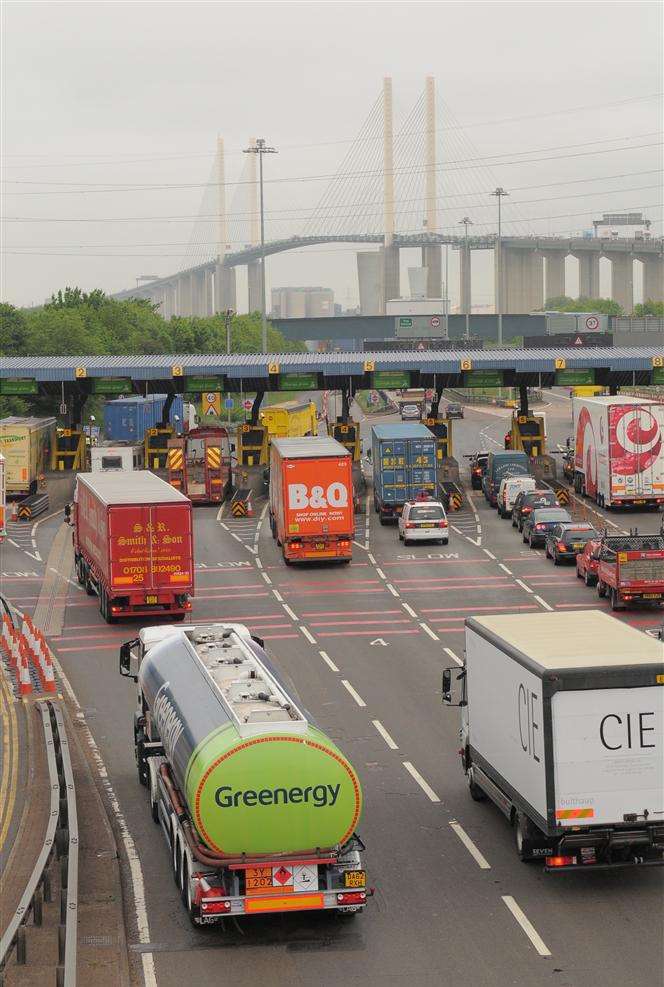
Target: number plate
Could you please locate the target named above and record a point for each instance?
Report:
(355, 878)
(639, 501)
(578, 547)
(320, 545)
(426, 524)
(150, 599)
(258, 878)
(652, 596)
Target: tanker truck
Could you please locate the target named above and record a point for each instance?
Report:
(258, 807)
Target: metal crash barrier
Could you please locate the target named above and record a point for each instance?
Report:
(32, 506)
(348, 434)
(156, 447)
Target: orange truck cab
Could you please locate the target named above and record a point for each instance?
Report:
(311, 499)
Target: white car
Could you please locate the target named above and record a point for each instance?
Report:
(423, 520)
(509, 489)
(411, 412)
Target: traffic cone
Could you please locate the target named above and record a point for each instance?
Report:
(7, 636)
(24, 682)
(250, 509)
(47, 675)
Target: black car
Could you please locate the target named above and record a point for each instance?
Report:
(565, 541)
(528, 501)
(540, 522)
(477, 467)
(454, 411)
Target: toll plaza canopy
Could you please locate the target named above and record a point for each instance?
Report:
(196, 373)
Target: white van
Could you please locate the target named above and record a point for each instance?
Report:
(508, 490)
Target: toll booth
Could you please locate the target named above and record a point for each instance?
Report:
(251, 445)
(70, 449)
(156, 447)
(528, 433)
(348, 434)
(442, 429)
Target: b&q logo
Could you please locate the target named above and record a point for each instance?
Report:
(299, 496)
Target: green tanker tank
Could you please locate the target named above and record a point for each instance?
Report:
(256, 774)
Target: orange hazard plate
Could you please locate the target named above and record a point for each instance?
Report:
(287, 903)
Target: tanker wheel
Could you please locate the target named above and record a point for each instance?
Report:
(154, 808)
(193, 910)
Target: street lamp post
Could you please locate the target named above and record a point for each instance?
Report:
(260, 148)
(499, 193)
(466, 222)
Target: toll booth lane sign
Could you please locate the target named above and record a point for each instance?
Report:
(211, 404)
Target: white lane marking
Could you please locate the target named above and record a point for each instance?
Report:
(490, 554)
(356, 696)
(14, 543)
(328, 661)
(407, 607)
(426, 788)
(385, 735)
(392, 589)
(543, 603)
(259, 564)
(474, 541)
(526, 925)
(479, 526)
(36, 556)
(236, 537)
(454, 528)
(278, 596)
(476, 854)
(307, 633)
(427, 630)
(371, 559)
(523, 585)
(360, 545)
(32, 532)
(381, 573)
(66, 578)
(448, 651)
(290, 613)
(224, 526)
(135, 869)
(501, 565)
(266, 578)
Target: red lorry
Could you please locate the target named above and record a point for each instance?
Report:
(311, 499)
(631, 569)
(133, 544)
(199, 464)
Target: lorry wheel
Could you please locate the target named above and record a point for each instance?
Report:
(601, 589)
(615, 602)
(193, 910)
(476, 793)
(154, 808)
(589, 579)
(556, 560)
(86, 581)
(523, 837)
(578, 574)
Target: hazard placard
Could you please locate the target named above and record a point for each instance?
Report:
(305, 877)
(211, 403)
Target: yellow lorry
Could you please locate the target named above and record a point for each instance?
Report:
(28, 445)
(290, 419)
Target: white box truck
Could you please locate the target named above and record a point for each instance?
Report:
(618, 454)
(562, 719)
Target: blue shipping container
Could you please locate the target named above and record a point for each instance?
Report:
(128, 419)
(404, 463)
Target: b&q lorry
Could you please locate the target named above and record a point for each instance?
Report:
(258, 807)
(28, 445)
(618, 454)
(631, 569)
(404, 466)
(562, 727)
(133, 544)
(311, 499)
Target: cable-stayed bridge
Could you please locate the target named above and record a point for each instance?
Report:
(395, 188)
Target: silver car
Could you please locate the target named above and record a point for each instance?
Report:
(423, 521)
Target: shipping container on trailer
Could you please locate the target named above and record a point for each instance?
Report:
(562, 726)
(618, 454)
(404, 466)
(128, 419)
(311, 499)
(133, 544)
(259, 808)
(28, 445)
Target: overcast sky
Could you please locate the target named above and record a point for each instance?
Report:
(101, 95)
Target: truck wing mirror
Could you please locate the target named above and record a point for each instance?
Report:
(447, 685)
(129, 659)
